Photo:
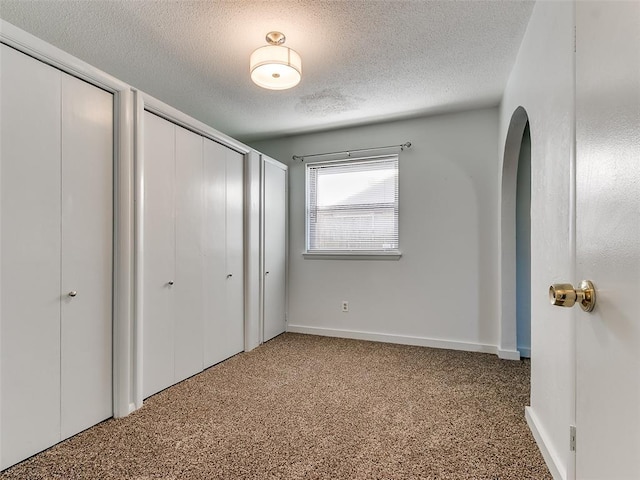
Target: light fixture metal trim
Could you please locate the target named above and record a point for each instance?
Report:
(275, 38)
(274, 66)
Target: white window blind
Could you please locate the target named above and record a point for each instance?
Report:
(352, 206)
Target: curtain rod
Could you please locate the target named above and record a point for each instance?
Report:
(402, 146)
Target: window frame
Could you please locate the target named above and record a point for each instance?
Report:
(391, 254)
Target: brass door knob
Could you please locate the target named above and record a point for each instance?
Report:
(564, 295)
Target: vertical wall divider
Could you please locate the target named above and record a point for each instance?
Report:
(124, 339)
(138, 326)
(252, 260)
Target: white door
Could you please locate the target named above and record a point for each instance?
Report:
(30, 256)
(158, 254)
(188, 287)
(224, 286)
(215, 252)
(275, 249)
(56, 214)
(608, 239)
(235, 252)
(87, 258)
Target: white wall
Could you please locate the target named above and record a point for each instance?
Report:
(443, 287)
(542, 81)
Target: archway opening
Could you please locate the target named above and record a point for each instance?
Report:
(523, 246)
(517, 145)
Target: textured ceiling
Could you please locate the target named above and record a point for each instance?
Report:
(363, 60)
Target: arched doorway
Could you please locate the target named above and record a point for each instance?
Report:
(514, 294)
(523, 246)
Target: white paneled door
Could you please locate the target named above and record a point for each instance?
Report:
(188, 287)
(215, 253)
(235, 252)
(223, 247)
(56, 221)
(87, 246)
(173, 269)
(274, 249)
(193, 253)
(608, 239)
(30, 256)
(158, 254)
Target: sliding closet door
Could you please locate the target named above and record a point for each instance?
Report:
(29, 255)
(159, 254)
(274, 249)
(87, 259)
(188, 287)
(224, 310)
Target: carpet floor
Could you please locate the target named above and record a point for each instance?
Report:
(307, 407)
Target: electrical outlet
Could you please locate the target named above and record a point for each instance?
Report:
(345, 306)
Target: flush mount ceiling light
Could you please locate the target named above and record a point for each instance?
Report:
(274, 66)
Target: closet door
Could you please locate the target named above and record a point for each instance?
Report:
(56, 214)
(159, 254)
(274, 249)
(188, 288)
(224, 319)
(215, 284)
(235, 252)
(87, 259)
(29, 255)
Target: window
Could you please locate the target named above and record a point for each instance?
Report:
(352, 207)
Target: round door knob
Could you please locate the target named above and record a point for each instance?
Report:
(170, 282)
(229, 275)
(564, 295)
(266, 273)
(73, 293)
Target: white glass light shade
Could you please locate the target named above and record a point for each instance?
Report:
(275, 67)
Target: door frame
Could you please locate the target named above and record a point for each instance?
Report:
(123, 227)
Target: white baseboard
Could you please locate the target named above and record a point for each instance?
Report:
(550, 457)
(508, 354)
(389, 338)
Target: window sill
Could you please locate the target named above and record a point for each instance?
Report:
(393, 255)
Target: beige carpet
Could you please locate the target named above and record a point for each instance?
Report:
(306, 407)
